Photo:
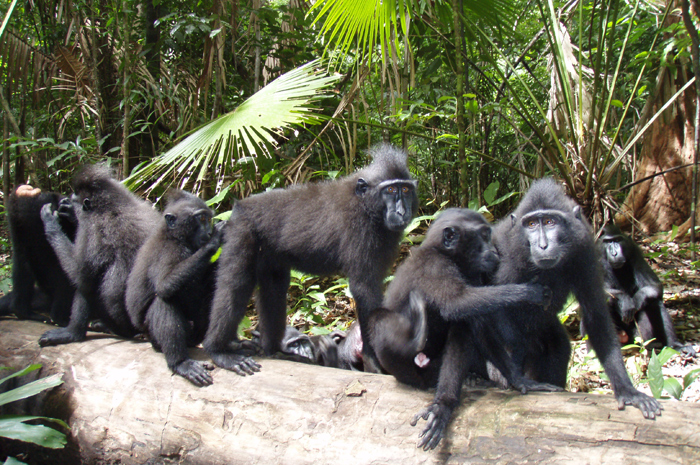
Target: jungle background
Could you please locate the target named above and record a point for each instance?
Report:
(226, 98)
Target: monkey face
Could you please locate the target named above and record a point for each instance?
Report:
(399, 198)
(546, 231)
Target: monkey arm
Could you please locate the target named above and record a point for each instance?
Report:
(456, 363)
(61, 244)
(647, 293)
(601, 333)
(473, 301)
(172, 280)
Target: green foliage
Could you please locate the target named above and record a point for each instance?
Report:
(658, 384)
(249, 130)
(16, 426)
(311, 303)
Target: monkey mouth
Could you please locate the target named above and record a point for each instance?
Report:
(396, 223)
(546, 263)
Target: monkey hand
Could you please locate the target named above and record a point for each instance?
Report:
(239, 364)
(214, 242)
(66, 210)
(50, 219)
(649, 406)
(437, 416)
(541, 295)
(546, 297)
(195, 371)
(686, 350)
(627, 313)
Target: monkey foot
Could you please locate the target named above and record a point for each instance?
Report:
(239, 364)
(60, 336)
(650, 407)
(437, 416)
(686, 350)
(195, 372)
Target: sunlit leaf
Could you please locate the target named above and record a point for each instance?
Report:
(251, 130)
(30, 389)
(673, 387)
(13, 427)
(690, 377)
(655, 376)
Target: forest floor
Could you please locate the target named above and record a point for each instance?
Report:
(323, 304)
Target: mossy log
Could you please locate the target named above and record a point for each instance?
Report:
(124, 406)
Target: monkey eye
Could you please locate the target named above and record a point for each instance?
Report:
(549, 222)
(532, 224)
(405, 189)
(392, 189)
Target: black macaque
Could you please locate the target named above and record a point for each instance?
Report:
(635, 292)
(112, 225)
(169, 290)
(351, 226)
(339, 349)
(547, 239)
(33, 259)
(437, 311)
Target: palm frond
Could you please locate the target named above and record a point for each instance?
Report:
(251, 130)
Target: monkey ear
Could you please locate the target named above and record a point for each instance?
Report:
(361, 187)
(513, 220)
(87, 205)
(449, 238)
(577, 212)
(170, 220)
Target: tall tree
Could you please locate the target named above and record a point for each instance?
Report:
(665, 199)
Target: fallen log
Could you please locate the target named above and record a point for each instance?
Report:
(124, 406)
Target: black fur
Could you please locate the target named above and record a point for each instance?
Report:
(339, 349)
(351, 226)
(33, 258)
(435, 310)
(169, 290)
(547, 239)
(636, 294)
(112, 225)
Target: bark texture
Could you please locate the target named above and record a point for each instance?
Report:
(665, 200)
(124, 406)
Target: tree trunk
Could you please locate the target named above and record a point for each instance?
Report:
(124, 406)
(665, 200)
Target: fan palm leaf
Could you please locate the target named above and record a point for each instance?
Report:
(250, 130)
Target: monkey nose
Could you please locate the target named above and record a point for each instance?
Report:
(399, 208)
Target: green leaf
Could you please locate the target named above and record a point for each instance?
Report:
(666, 354)
(221, 195)
(690, 377)
(673, 387)
(216, 255)
(245, 324)
(251, 130)
(319, 331)
(30, 389)
(29, 369)
(490, 192)
(318, 296)
(655, 376)
(223, 216)
(14, 428)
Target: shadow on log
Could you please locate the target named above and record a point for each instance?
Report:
(124, 406)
